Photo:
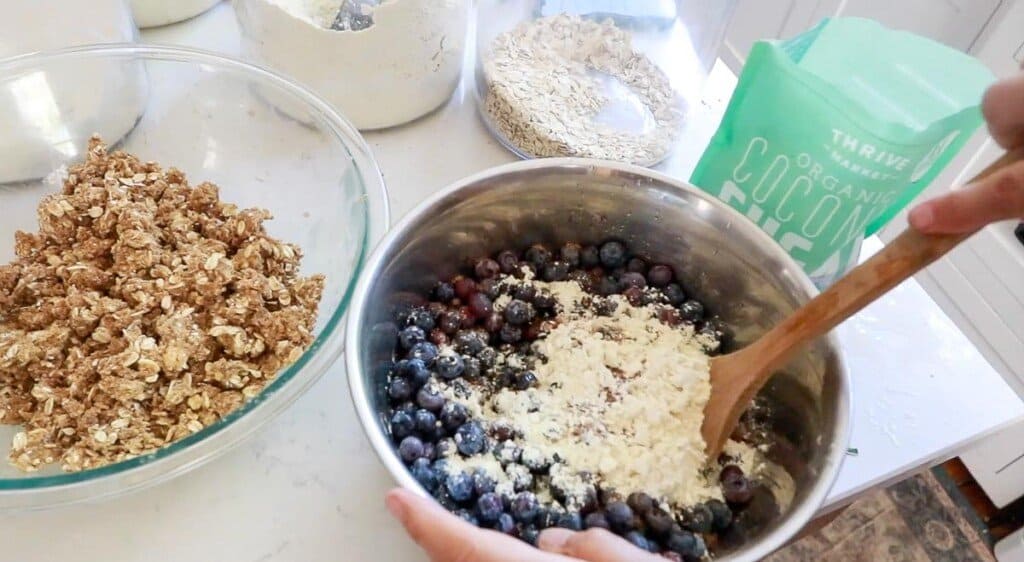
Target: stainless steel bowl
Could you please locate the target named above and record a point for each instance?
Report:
(723, 259)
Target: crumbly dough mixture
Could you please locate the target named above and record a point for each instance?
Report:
(619, 396)
(142, 311)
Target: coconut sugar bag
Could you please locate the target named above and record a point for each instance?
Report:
(829, 134)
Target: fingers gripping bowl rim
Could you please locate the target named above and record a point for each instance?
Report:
(340, 182)
(731, 264)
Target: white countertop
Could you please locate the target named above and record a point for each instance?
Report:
(309, 488)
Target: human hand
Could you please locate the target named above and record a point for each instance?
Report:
(997, 197)
(446, 538)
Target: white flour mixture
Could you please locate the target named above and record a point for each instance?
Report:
(403, 66)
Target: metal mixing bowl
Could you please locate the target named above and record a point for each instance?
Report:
(723, 259)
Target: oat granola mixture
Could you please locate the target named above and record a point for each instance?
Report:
(143, 310)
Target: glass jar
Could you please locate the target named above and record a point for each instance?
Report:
(403, 64)
(609, 79)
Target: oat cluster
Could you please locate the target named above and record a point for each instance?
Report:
(543, 91)
(142, 311)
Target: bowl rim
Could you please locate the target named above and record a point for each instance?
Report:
(382, 446)
(36, 492)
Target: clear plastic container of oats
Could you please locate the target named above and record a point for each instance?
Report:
(608, 79)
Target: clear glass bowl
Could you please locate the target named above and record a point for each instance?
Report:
(265, 141)
(607, 79)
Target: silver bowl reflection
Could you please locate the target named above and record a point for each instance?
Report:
(724, 260)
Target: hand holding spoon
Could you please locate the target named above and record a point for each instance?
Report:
(737, 377)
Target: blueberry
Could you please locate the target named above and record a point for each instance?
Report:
(521, 477)
(424, 474)
(507, 453)
(430, 398)
(469, 438)
(444, 448)
(683, 543)
(596, 520)
(469, 342)
(453, 415)
(555, 271)
(488, 508)
(480, 304)
(640, 503)
(570, 254)
(518, 312)
(635, 295)
(486, 268)
(424, 351)
(658, 522)
(674, 293)
(464, 287)
(505, 524)
(729, 472)
(489, 288)
(529, 534)
(508, 262)
(659, 275)
(620, 516)
(524, 507)
(429, 450)
(637, 539)
(534, 459)
(510, 333)
(700, 548)
(571, 520)
(700, 519)
(612, 254)
(443, 291)
(443, 498)
(450, 322)
(721, 515)
(607, 286)
(590, 257)
(525, 293)
(737, 489)
(488, 357)
(459, 486)
(544, 300)
(449, 366)
(399, 389)
(410, 449)
(472, 368)
(411, 336)
(636, 265)
(415, 370)
(422, 319)
(538, 255)
(691, 311)
(467, 516)
(437, 337)
(402, 425)
(483, 483)
(502, 430)
(425, 421)
(630, 279)
(524, 380)
(494, 322)
(409, 407)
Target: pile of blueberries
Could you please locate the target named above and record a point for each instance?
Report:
(427, 428)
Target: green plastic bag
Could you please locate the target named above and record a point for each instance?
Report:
(828, 135)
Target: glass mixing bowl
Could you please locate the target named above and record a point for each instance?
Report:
(265, 141)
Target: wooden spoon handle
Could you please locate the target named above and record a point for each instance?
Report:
(909, 253)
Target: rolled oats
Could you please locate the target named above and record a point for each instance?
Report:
(544, 91)
(142, 311)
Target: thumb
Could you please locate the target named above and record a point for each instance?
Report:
(593, 545)
(447, 538)
(997, 197)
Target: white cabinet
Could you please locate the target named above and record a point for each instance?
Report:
(957, 23)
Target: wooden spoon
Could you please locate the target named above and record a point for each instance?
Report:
(737, 377)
